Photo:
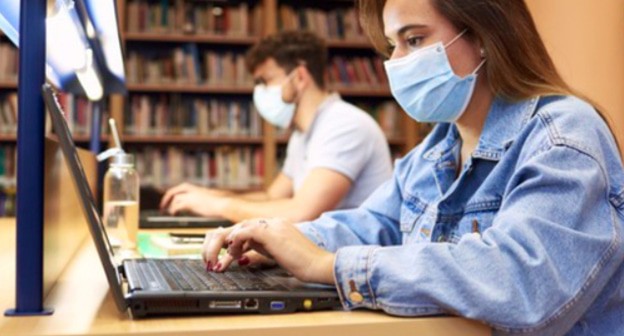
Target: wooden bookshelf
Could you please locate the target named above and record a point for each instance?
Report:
(8, 85)
(191, 88)
(85, 138)
(408, 135)
(189, 38)
(345, 44)
(8, 138)
(192, 139)
(381, 92)
(164, 139)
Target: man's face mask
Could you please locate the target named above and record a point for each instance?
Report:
(425, 85)
(271, 106)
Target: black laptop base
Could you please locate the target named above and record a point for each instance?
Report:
(143, 306)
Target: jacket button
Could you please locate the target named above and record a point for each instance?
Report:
(356, 297)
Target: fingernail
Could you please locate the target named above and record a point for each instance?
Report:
(230, 242)
(217, 267)
(243, 261)
(209, 266)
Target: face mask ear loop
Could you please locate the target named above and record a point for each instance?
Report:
(288, 80)
(479, 66)
(456, 38)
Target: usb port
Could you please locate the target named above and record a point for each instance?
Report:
(277, 305)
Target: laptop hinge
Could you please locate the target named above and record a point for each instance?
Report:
(122, 271)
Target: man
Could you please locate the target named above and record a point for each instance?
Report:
(336, 156)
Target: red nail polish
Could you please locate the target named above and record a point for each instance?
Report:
(217, 267)
(209, 266)
(243, 261)
(230, 242)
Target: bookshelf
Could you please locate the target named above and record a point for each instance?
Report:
(166, 41)
(348, 47)
(9, 60)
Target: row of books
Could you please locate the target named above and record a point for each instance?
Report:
(191, 17)
(7, 180)
(338, 23)
(174, 114)
(183, 65)
(358, 72)
(9, 62)
(219, 167)
(78, 112)
(182, 115)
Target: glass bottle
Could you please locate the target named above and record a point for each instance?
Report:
(121, 201)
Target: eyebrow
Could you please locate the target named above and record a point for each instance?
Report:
(408, 27)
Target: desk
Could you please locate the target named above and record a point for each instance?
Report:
(83, 305)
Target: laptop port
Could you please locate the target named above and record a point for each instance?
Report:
(251, 304)
(234, 304)
(277, 305)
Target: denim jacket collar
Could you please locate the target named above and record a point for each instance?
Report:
(502, 125)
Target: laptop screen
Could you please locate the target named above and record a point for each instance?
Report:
(76, 170)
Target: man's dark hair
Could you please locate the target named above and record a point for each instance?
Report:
(290, 49)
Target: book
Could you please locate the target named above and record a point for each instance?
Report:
(163, 245)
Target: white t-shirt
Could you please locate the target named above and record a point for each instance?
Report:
(345, 139)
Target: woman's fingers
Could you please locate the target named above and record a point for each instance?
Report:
(249, 232)
(253, 258)
(223, 263)
(213, 243)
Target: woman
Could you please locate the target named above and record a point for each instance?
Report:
(509, 212)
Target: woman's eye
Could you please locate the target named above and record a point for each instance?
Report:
(413, 41)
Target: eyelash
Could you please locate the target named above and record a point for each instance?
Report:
(410, 42)
(413, 41)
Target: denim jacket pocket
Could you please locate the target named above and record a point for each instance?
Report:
(476, 219)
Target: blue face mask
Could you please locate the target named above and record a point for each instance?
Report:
(424, 84)
(268, 101)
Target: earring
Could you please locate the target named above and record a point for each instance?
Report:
(482, 53)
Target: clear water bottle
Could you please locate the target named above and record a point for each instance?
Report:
(121, 201)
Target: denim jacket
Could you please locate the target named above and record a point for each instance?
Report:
(526, 238)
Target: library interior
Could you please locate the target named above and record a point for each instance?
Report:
(175, 91)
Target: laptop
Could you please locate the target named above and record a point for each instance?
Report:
(165, 287)
(156, 219)
(151, 217)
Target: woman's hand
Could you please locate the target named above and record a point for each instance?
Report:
(271, 238)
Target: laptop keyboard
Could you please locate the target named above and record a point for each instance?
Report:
(191, 275)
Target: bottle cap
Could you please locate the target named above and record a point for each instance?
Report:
(122, 159)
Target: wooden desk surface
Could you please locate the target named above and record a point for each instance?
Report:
(83, 306)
